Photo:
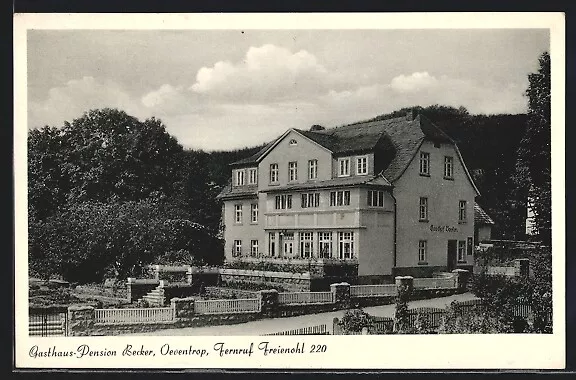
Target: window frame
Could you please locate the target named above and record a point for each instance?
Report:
(347, 166)
(424, 158)
(313, 169)
(274, 173)
(423, 209)
(339, 198)
(448, 163)
(310, 200)
(344, 238)
(306, 240)
(325, 237)
(237, 248)
(238, 213)
(254, 212)
(292, 171)
(358, 159)
(422, 251)
(462, 211)
(252, 246)
(375, 198)
(252, 176)
(239, 174)
(283, 202)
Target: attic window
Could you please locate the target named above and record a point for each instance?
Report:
(436, 144)
(293, 142)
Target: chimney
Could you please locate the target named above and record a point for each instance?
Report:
(411, 115)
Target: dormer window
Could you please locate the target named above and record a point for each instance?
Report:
(344, 167)
(362, 165)
(293, 142)
(239, 177)
(252, 176)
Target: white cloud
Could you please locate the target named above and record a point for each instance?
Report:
(267, 73)
(77, 96)
(170, 100)
(414, 82)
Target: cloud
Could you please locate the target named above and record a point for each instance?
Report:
(266, 74)
(77, 96)
(414, 82)
(170, 100)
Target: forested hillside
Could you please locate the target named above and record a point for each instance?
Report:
(109, 194)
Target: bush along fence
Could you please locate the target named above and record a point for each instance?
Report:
(190, 311)
(422, 319)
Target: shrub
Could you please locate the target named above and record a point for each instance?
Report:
(355, 320)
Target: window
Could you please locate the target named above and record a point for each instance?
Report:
(312, 169)
(273, 173)
(461, 251)
(448, 167)
(306, 244)
(252, 176)
(293, 142)
(310, 200)
(239, 177)
(272, 244)
(422, 248)
(345, 245)
(254, 212)
(237, 250)
(283, 202)
(325, 244)
(423, 213)
(238, 213)
(254, 248)
(343, 167)
(362, 165)
(462, 212)
(424, 163)
(292, 171)
(375, 198)
(288, 239)
(340, 198)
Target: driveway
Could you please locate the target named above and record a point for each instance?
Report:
(273, 325)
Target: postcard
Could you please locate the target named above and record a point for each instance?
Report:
(289, 191)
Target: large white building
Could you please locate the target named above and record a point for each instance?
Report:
(393, 195)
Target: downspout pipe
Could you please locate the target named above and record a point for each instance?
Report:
(395, 230)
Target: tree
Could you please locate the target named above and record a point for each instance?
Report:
(533, 168)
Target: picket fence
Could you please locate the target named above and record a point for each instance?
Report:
(373, 290)
(246, 305)
(305, 298)
(130, 316)
(311, 330)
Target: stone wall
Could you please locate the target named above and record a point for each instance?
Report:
(289, 281)
(221, 292)
(82, 318)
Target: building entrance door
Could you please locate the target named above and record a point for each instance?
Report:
(452, 249)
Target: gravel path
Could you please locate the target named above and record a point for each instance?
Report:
(267, 326)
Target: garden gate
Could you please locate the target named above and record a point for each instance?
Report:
(48, 322)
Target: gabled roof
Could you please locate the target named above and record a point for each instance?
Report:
(481, 217)
(231, 192)
(401, 137)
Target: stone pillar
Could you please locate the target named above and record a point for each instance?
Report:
(404, 284)
(129, 282)
(522, 267)
(364, 330)
(462, 277)
(341, 295)
(80, 319)
(183, 307)
(268, 303)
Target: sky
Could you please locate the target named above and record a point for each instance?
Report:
(227, 89)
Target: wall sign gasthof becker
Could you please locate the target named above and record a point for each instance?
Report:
(434, 228)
